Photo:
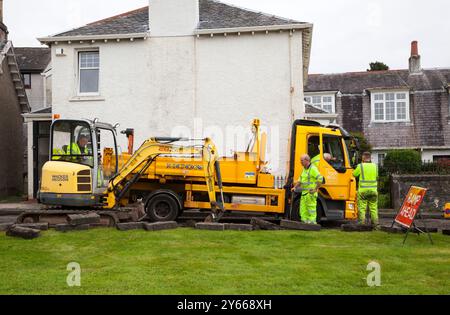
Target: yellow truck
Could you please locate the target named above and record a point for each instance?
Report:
(171, 175)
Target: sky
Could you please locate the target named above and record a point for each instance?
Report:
(348, 34)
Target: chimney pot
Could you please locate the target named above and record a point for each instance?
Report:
(414, 48)
(414, 60)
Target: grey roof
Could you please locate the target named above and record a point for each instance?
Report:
(32, 59)
(310, 109)
(132, 22)
(357, 82)
(216, 15)
(45, 110)
(213, 15)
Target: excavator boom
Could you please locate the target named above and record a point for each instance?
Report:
(147, 154)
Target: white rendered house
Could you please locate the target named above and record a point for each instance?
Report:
(200, 67)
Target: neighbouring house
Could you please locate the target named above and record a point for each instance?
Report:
(395, 109)
(34, 65)
(178, 65)
(35, 68)
(13, 103)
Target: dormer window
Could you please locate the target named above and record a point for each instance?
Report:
(390, 106)
(325, 102)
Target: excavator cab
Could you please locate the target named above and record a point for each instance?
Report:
(74, 175)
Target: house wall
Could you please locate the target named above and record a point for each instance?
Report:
(428, 155)
(11, 158)
(350, 112)
(36, 93)
(159, 85)
(445, 115)
(424, 130)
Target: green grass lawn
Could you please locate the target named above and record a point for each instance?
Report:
(187, 261)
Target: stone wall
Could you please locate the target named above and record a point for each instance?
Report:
(438, 190)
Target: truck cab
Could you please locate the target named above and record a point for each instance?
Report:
(337, 196)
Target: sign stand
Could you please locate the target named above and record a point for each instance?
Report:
(409, 211)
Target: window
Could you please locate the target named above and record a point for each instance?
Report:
(334, 147)
(324, 102)
(107, 156)
(26, 77)
(71, 142)
(381, 157)
(89, 72)
(390, 106)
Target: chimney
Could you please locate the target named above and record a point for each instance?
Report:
(173, 17)
(414, 60)
(3, 28)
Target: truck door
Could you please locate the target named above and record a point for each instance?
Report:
(337, 171)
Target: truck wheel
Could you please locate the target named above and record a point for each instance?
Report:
(162, 208)
(320, 212)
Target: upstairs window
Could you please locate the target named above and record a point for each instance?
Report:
(323, 102)
(88, 72)
(26, 77)
(390, 106)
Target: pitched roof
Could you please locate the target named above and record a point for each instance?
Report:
(310, 109)
(213, 15)
(216, 15)
(357, 82)
(33, 59)
(132, 22)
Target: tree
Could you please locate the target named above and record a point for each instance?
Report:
(378, 66)
(364, 145)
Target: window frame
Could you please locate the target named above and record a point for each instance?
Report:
(384, 93)
(26, 86)
(322, 96)
(79, 52)
(380, 158)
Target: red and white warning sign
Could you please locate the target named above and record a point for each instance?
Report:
(411, 206)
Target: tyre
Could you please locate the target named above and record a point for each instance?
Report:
(320, 212)
(162, 208)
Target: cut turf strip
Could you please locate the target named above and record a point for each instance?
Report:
(160, 226)
(238, 227)
(295, 225)
(210, 226)
(130, 226)
(259, 224)
(71, 228)
(22, 232)
(356, 228)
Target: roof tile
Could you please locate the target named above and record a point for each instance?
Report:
(213, 15)
(357, 82)
(32, 58)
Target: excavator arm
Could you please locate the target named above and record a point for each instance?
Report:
(153, 148)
